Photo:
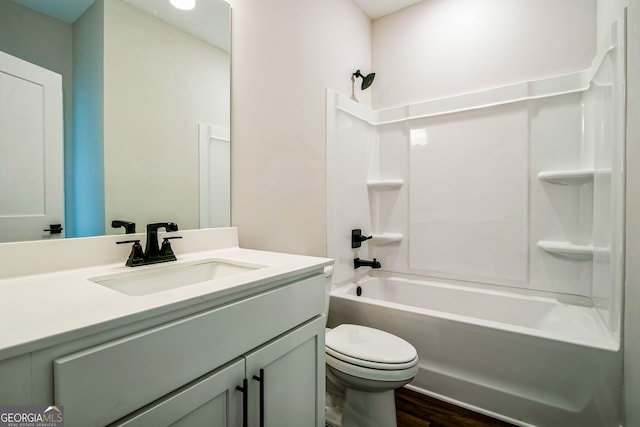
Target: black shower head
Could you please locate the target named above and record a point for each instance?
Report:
(366, 80)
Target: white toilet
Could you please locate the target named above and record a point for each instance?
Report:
(364, 366)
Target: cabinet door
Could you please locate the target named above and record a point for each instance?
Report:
(288, 374)
(15, 381)
(209, 401)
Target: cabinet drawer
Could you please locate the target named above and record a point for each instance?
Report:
(101, 384)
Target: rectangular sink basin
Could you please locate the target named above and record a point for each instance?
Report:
(162, 277)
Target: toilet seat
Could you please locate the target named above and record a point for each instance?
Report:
(384, 375)
(369, 347)
(369, 364)
(369, 353)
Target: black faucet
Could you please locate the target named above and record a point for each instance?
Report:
(129, 227)
(364, 263)
(153, 253)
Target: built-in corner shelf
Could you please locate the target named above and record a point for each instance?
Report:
(384, 184)
(572, 250)
(386, 238)
(574, 177)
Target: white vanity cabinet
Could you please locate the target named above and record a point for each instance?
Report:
(283, 381)
(184, 368)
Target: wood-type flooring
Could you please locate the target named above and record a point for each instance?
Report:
(417, 410)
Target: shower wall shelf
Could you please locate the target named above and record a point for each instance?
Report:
(384, 184)
(386, 238)
(574, 177)
(379, 185)
(572, 250)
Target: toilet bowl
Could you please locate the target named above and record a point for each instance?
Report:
(364, 366)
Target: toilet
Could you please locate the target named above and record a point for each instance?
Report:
(364, 366)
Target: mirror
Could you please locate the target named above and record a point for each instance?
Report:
(146, 107)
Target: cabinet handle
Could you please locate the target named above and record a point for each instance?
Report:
(54, 229)
(260, 379)
(245, 398)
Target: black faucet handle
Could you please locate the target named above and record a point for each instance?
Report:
(166, 249)
(136, 256)
(129, 227)
(357, 238)
(128, 241)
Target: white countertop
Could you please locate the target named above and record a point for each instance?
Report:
(38, 310)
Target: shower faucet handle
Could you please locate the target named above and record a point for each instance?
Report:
(357, 238)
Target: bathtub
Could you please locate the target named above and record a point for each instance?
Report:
(526, 359)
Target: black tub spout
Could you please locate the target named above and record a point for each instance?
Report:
(364, 263)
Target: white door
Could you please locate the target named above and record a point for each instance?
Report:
(31, 151)
(215, 176)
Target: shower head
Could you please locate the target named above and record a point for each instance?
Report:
(366, 80)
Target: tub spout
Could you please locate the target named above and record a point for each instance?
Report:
(364, 263)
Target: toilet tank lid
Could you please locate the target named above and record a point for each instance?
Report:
(362, 342)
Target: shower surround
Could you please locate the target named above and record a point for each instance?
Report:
(517, 189)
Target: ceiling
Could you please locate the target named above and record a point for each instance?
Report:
(68, 11)
(375, 9)
(63, 10)
(210, 23)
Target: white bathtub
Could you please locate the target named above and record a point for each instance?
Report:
(529, 360)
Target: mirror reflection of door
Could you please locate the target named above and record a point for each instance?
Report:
(31, 151)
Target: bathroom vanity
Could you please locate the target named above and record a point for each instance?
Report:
(245, 347)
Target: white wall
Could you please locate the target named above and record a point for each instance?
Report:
(86, 216)
(608, 11)
(632, 285)
(440, 48)
(285, 53)
(155, 95)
